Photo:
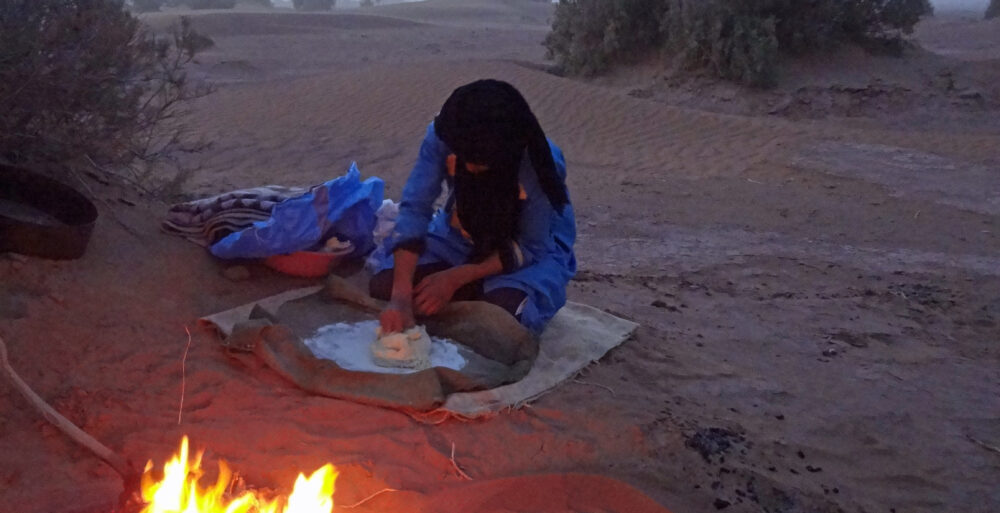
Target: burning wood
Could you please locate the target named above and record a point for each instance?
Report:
(179, 491)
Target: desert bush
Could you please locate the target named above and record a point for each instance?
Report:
(83, 78)
(313, 5)
(587, 35)
(724, 37)
(993, 11)
(736, 39)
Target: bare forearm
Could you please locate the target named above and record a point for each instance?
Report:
(402, 274)
(469, 273)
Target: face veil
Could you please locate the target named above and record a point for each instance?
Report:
(489, 123)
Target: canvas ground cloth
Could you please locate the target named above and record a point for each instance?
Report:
(508, 366)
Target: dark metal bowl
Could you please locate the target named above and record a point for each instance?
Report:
(42, 217)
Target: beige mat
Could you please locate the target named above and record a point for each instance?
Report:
(577, 336)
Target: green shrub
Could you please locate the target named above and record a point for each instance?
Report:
(84, 78)
(313, 5)
(588, 35)
(993, 11)
(735, 39)
(723, 38)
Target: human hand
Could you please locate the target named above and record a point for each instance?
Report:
(397, 316)
(435, 291)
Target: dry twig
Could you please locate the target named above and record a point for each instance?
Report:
(983, 444)
(370, 497)
(180, 408)
(111, 210)
(455, 464)
(581, 382)
(62, 423)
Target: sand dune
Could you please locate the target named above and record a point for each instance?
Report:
(965, 38)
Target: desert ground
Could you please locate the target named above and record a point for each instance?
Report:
(815, 269)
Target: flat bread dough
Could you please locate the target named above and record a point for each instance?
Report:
(410, 349)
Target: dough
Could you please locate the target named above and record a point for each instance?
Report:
(410, 349)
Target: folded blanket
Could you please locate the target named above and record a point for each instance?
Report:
(207, 220)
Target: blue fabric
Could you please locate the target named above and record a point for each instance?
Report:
(343, 207)
(545, 238)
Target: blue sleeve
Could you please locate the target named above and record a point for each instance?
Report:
(538, 221)
(536, 217)
(422, 187)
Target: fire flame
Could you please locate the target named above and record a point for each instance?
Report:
(179, 492)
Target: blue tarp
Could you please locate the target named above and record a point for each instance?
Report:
(343, 207)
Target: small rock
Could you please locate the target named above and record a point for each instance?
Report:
(721, 504)
(830, 351)
(658, 304)
(728, 95)
(237, 273)
(852, 339)
(713, 442)
(970, 94)
(641, 93)
(781, 106)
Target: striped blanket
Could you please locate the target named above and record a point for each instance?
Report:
(207, 220)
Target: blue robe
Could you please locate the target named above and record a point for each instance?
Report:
(545, 237)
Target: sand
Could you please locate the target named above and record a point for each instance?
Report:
(818, 288)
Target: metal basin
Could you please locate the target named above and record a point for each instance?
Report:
(42, 217)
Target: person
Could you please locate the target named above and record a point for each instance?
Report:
(506, 230)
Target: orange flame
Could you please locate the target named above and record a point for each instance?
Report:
(179, 492)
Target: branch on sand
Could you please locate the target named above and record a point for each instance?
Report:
(455, 464)
(62, 423)
(370, 497)
(180, 408)
(983, 444)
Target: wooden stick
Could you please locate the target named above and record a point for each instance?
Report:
(370, 497)
(341, 289)
(582, 382)
(62, 423)
(111, 210)
(983, 444)
(455, 464)
(180, 408)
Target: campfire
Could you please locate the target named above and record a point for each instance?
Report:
(179, 490)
